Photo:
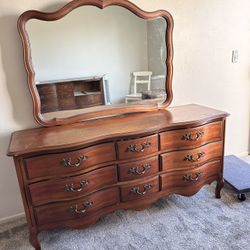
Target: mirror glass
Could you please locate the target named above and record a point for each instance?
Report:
(93, 57)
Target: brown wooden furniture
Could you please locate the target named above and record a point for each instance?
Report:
(71, 175)
(71, 94)
(99, 110)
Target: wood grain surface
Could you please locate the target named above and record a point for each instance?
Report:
(56, 190)
(178, 160)
(54, 164)
(142, 168)
(54, 139)
(62, 210)
(178, 182)
(137, 147)
(191, 137)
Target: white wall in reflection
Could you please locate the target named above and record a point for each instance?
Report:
(92, 42)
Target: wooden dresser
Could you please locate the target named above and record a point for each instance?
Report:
(72, 175)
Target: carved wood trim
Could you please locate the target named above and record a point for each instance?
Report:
(101, 111)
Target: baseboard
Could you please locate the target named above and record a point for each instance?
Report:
(243, 154)
(11, 218)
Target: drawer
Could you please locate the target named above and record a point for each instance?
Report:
(138, 169)
(47, 89)
(189, 158)
(73, 187)
(140, 189)
(89, 100)
(69, 162)
(76, 209)
(188, 181)
(191, 138)
(137, 147)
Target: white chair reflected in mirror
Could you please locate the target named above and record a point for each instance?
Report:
(140, 78)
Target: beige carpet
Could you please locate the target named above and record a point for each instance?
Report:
(198, 222)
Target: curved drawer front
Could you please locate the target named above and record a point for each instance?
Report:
(191, 138)
(140, 190)
(69, 162)
(185, 182)
(137, 147)
(138, 169)
(73, 187)
(190, 158)
(77, 209)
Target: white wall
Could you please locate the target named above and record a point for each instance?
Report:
(91, 42)
(157, 52)
(157, 46)
(205, 33)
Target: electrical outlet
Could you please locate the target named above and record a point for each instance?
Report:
(235, 56)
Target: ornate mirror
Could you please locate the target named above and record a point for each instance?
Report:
(97, 58)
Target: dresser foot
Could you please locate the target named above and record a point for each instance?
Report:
(34, 241)
(219, 186)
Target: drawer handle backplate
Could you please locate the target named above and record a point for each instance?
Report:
(70, 187)
(136, 190)
(136, 171)
(67, 161)
(86, 205)
(189, 137)
(191, 158)
(189, 177)
(134, 148)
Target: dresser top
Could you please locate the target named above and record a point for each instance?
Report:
(54, 139)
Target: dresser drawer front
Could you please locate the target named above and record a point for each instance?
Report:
(77, 209)
(72, 187)
(191, 138)
(137, 147)
(138, 169)
(140, 189)
(190, 158)
(187, 180)
(69, 162)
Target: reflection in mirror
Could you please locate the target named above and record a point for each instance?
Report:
(94, 57)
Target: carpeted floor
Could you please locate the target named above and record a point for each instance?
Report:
(173, 223)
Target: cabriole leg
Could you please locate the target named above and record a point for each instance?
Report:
(219, 186)
(34, 241)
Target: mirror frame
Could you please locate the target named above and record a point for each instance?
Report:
(99, 111)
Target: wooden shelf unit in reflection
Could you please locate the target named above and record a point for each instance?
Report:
(67, 94)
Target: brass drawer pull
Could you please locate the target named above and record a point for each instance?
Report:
(189, 177)
(189, 137)
(136, 190)
(192, 159)
(136, 171)
(86, 205)
(67, 161)
(134, 148)
(70, 187)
